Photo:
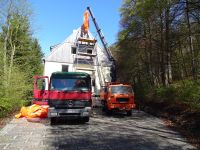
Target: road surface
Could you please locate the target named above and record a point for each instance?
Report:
(117, 132)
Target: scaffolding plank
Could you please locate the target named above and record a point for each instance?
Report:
(87, 40)
(86, 54)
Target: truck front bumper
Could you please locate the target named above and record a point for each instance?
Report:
(76, 113)
(120, 106)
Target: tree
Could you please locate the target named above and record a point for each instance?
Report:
(20, 52)
(153, 35)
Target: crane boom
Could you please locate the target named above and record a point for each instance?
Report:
(105, 45)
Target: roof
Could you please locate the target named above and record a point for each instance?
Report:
(70, 74)
(62, 52)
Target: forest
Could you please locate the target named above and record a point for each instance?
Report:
(160, 41)
(20, 55)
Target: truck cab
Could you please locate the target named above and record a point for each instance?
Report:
(68, 95)
(119, 97)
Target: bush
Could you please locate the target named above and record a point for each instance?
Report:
(165, 93)
(13, 93)
(187, 92)
(190, 94)
(141, 93)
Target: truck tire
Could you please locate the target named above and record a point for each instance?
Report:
(103, 103)
(86, 119)
(109, 112)
(129, 113)
(53, 121)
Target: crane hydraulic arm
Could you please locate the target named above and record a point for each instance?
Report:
(105, 45)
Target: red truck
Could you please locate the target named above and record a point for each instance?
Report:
(68, 95)
(118, 97)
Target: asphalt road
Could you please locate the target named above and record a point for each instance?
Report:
(117, 132)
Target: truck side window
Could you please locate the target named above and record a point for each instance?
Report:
(41, 84)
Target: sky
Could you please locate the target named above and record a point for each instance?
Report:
(54, 20)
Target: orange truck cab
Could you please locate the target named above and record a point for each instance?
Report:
(117, 96)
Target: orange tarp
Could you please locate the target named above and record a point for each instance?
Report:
(86, 21)
(33, 111)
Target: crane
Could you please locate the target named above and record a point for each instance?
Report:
(105, 45)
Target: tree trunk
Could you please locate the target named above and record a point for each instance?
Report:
(11, 63)
(168, 75)
(163, 76)
(5, 43)
(193, 63)
(183, 67)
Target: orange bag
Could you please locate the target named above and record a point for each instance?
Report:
(33, 111)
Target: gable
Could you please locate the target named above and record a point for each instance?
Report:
(62, 51)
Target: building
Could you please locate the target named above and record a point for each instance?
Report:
(80, 53)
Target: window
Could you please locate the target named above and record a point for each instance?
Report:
(40, 84)
(89, 51)
(121, 89)
(70, 84)
(64, 68)
(73, 51)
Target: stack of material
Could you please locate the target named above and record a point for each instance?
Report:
(33, 111)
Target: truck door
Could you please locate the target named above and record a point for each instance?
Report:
(41, 88)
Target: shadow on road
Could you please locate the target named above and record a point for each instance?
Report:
(64, 121)
(113, 132)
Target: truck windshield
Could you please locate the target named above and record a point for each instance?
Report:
(121, 90)
(70, 84)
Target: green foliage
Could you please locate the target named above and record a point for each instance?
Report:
(142, 91)
(160, 41)
(187, 92)
(17, 88)
(14, 94)
(165, 93)
(20, 56)
(154, 39)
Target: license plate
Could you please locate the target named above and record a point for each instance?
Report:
(71, 111)
(54, 114)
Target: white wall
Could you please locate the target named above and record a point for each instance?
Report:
(51, 67)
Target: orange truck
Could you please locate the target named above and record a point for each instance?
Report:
(118, 97)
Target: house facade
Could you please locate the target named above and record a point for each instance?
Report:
(80, 54)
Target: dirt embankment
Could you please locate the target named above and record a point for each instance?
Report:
(178, 116)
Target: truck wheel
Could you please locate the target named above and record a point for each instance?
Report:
(109, 112)
(86, 119)
(103, 106)
(129, 113)
(53, 121)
